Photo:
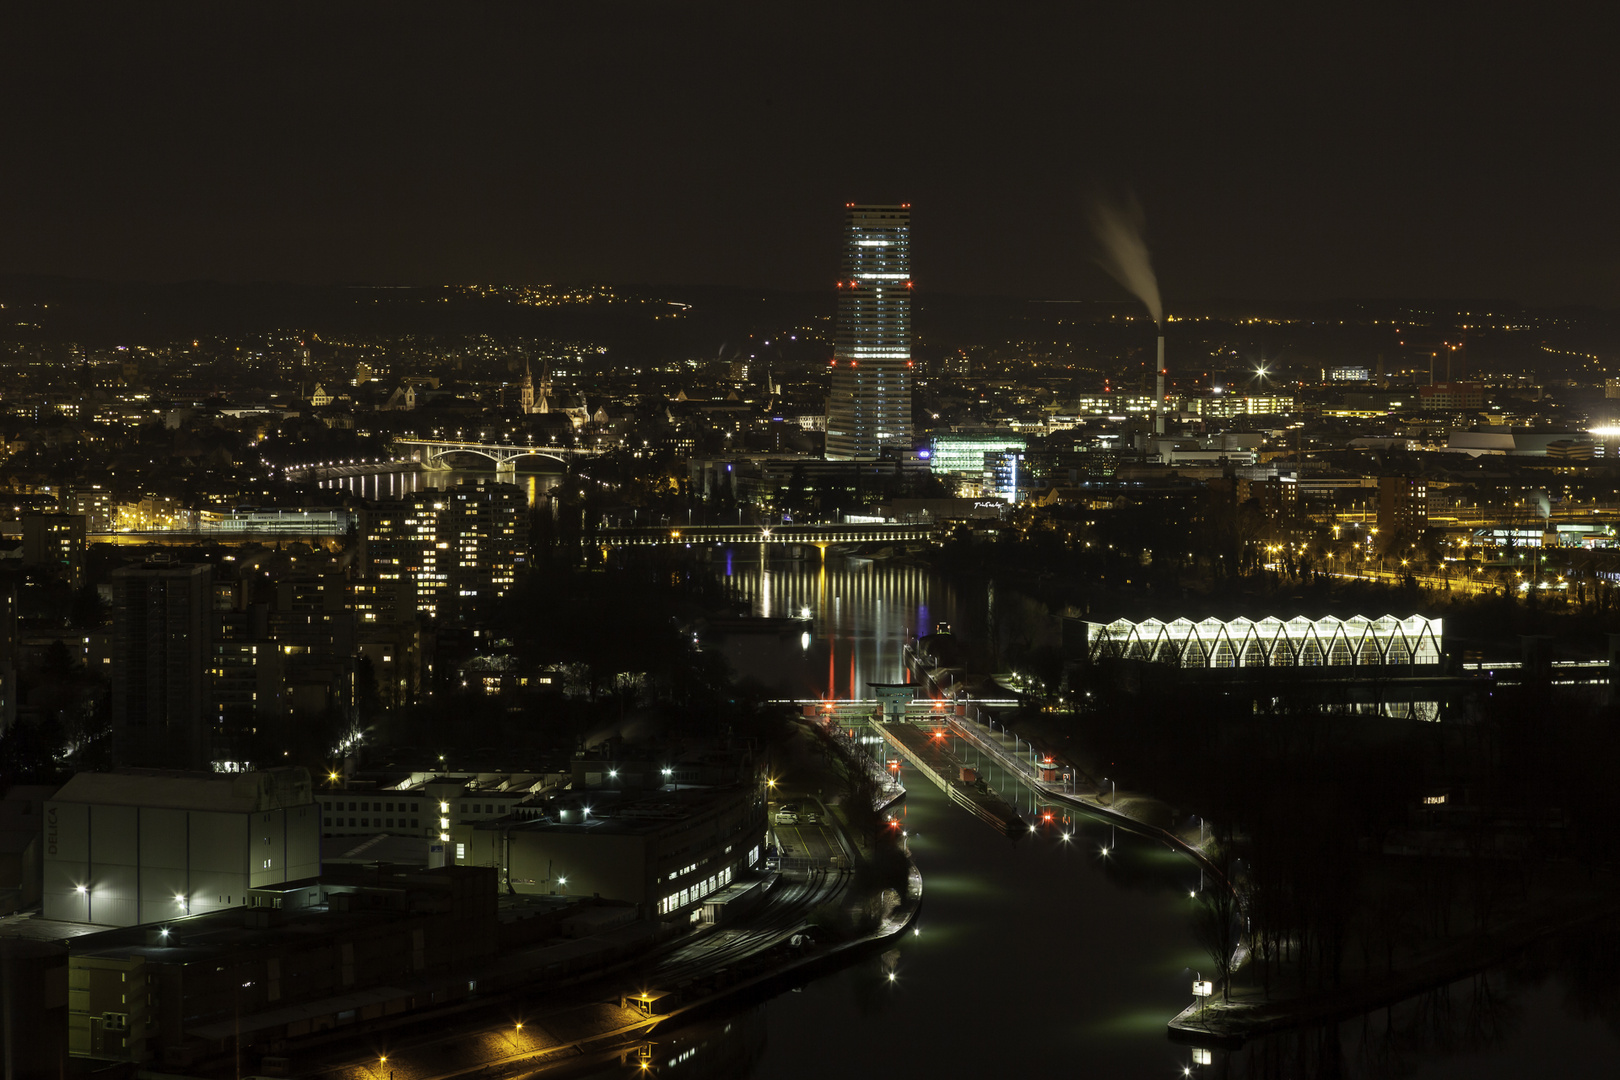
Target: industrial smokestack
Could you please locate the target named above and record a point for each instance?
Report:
(1158, 397)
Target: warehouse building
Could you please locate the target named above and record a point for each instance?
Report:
(142, 845)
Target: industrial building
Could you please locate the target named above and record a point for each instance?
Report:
(361, 948)
(135, 846)
(290, 960)
(424, 804)
(663, 851)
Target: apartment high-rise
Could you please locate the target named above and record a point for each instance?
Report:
(453, 545)
(161, 648)
(869, 409)
(56, 542)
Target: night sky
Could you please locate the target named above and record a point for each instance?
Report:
(1424, 150)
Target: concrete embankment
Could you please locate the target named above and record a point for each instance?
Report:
(932, 758)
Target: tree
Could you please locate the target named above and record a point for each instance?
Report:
(1215, 922)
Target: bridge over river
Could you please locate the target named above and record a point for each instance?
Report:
(918, 731)
(434, 453)
(819, 536)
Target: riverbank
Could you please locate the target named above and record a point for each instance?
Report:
(897, 911)
(1556, 898)
(1250, 1013)
(710, 973)
(1136, 812)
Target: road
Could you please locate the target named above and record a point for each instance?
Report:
(487, 1041)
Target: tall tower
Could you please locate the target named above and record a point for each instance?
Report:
(869, 409)
(160, 650)
(526, 391)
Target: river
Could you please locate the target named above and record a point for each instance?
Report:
(398, 483)
(1045, 957)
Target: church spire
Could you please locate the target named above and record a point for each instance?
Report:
(527, 389)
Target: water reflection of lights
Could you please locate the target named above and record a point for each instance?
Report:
(397, 484)
(863, 616)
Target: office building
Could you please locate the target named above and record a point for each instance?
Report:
(160, 661)
(869, 409)
(1451, 396)
(972, 451)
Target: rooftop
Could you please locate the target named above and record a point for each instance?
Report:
(239, 793)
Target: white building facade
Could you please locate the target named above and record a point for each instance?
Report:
(141, 846)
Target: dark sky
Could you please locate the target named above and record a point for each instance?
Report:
(1292, 152)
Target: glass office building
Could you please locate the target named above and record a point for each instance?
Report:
(869, 409)
(965, 451)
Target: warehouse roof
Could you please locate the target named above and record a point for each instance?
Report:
(240, 793)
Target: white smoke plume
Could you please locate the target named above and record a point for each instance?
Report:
(1124, 252)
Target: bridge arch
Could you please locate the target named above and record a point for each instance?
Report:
(433, 454)
(549, 453)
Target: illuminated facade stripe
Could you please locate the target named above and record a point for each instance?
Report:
(1243, 643)
(869, 407)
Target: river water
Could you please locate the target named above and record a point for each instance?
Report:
(1044, 957)
(401, 482)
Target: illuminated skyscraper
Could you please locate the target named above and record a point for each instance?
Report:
(869, 409)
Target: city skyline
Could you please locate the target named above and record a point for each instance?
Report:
(516, 557)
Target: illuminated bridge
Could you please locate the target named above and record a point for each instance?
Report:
(814, 535)
(432, 452)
